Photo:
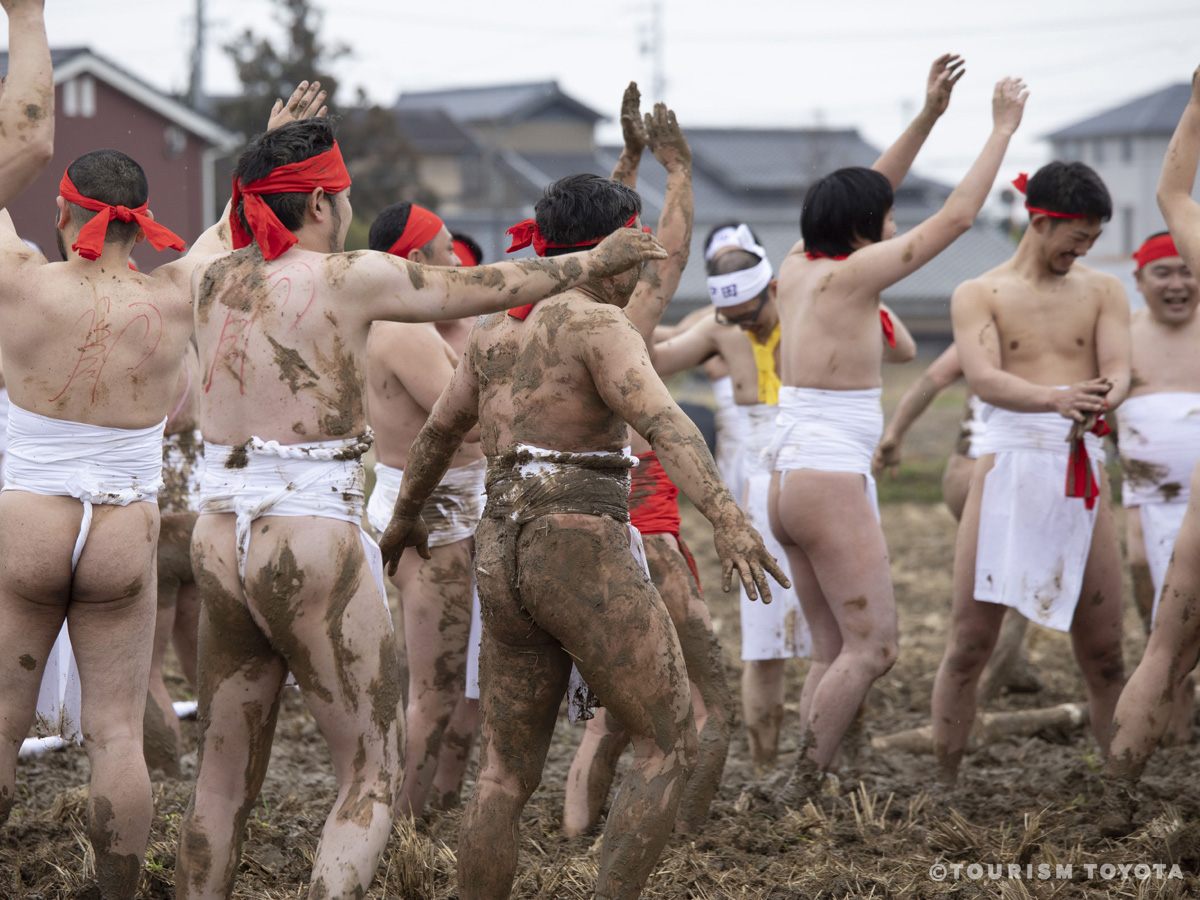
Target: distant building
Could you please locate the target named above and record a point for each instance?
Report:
(99, 105)
(488, 152)
(1126, 146)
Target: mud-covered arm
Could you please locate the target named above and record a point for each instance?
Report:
(616, 357)
(660, 278)
(634, 131)
(1178, 176)
(454, 415)
(898, 158)
(942, 372)
(27, 100)
(394, 289)
(906, 346)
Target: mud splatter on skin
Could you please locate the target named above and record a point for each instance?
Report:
(349, 569)
(6, 804)
(240, 645)
(385, 691)
(158, 740)
(116, 873)
(292, 367)
(349, 413)
(238, 279)
(28, 663)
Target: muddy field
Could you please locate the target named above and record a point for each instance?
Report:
(1024, 802)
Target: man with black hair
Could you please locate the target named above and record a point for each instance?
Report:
(408, 366)
(830, 418)
(1144, 711)
(92, 353)
(552, 387)
(26, 100)
(1023, 331)
(284, 568)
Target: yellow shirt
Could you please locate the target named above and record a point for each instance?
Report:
(764, 360)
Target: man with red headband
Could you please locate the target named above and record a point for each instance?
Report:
(1145, 710)
(284, 568)
(552, 389)
(26, 100)
(92, 353)
(1044, 342)
(408, 366)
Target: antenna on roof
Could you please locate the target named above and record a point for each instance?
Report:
(196, 78)
(652, 47)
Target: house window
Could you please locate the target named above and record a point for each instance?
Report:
(1098, 152)
(79, 97)
(1127, 149)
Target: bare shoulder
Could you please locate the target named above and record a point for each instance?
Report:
(1102, 282)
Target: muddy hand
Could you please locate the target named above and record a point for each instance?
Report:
(307, 101)
(666, 139)
(400, 534)
(624, 249)
(632, 128)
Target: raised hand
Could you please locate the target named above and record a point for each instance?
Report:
(307, 102)
(632, 128)
(944, 74)
(622, 250)
(1008, 104)
(665, 138)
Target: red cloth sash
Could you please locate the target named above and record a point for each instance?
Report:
(1020, 182)
(1081, 482)
(1155, 248)
(91, 236)
(654, 504)
(325, 170)
(422, 227)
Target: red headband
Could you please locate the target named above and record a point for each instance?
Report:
(464, 254)
(1155, 248)
(527, 232)
(91, 235)
(422, 227)
(1020, 183)
(325, 170)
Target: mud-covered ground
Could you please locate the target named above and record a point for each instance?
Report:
(1025, 802)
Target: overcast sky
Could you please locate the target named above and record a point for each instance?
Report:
(859, 63)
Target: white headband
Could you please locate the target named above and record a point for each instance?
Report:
(740, 286)
(732, 237)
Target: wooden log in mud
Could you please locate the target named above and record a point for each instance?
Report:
(989, 727)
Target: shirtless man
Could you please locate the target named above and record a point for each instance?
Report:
(178, 614)
(408, 366)
(93, 351)
(1024, 329)
(830, 419)
(282, 327)
(557, 579)
(26, 100)
(1009, 666)
(1143, 712)
(654, 512)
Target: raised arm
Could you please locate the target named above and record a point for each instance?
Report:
(880, 265)
(660, 278)
(26, 100)
(942, 372)
(395, 289)
(978, 344)
(1178, 176)
(898, 158)
(620, 367)
(454, 415)
(634, 132)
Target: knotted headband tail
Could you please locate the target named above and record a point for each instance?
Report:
(1081, 481)
(325, 170)
(1021, 182)
(527, 233)
(91, 236)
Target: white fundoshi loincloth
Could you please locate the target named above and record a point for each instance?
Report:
(265, 478)
(1159, 439)
(451, 514)
(973, 426)
(777, 630)
(4, 405)
(93, 464)
(729, 426)
(183, 469)
(1033, 539)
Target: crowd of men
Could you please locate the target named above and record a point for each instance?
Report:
(184, 464)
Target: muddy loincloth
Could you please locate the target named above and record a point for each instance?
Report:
(1159, 440)
(325, 479)
(452, 511)
(729, 432)
(1033, 539)
(970, 427)
(182, 470)
(527, 483)
(94, 464)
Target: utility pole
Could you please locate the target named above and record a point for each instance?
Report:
(652, 47)
(196, 97)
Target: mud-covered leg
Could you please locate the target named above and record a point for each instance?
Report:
(436, 598)
(615, 614)
(1139, 566)
(590, 777)
(163, 737)
(457, 741)
(241, 677)
(187, 628)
